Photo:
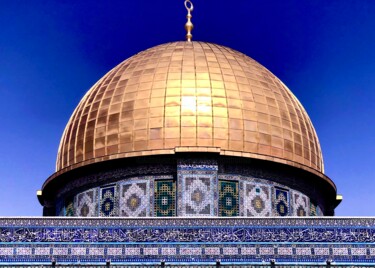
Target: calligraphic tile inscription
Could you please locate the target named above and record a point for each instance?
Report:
(165, 198)
(108, 204)
(300, 204)
(348, 242)
(134, 199)
(86, 203)
(257, 199)
(281, 202)
(228, 198)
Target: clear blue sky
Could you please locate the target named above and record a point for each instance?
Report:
(51, 52)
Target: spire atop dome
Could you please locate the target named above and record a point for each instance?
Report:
(189, 25)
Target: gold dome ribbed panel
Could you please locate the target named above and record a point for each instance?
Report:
(190, 96)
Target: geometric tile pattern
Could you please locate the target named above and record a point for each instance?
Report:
(135, 198)
(300, 204)
(228, 198)
(165, 198)
(197, 187)
(196, 192)
(86, 203)
(197, 195)
(257, 199)
(281, 202)
(108, 204)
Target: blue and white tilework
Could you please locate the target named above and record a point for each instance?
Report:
(244, 241)
(197, 195)
(108, 201)
(86, 203)
(257, 199)
(300, 204)
(135, 198)
(197, 188)
(281, 205)
(197, 183)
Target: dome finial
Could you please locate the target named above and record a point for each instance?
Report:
(189, 26)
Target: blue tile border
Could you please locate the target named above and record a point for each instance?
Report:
(187, 240)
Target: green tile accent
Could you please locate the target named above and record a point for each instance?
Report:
(228, 198)
(165, 198)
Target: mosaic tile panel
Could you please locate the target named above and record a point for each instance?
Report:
(281, 202)
(108, 201)
(69, 207)
(300, 204)
(228, 198)
(86, 203)
(197, 184)
(165, 198)
(197, 196)
(288, 240)
(135, 198)
(257, 199)
(313, 210)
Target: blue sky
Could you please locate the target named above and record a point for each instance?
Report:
(51, 52)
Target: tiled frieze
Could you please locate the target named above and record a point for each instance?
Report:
(183, 253)
(197, 240)
(300, 204)
(86, 204)
(197, 192)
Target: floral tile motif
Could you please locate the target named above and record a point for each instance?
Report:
(86, 203)
(257, 199)
(134, 199)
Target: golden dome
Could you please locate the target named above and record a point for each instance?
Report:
(189, 97)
